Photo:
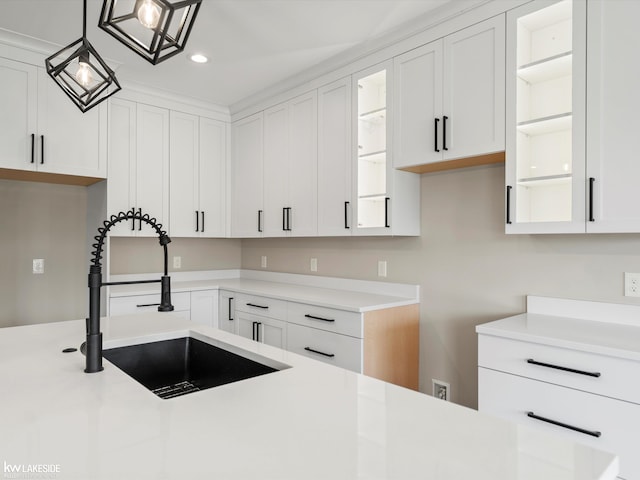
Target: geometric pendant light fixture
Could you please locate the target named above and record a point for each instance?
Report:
(154, 29)
(81, 73)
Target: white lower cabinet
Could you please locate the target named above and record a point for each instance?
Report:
(131, 304)
(262, 329)
(588, 397)
(226, 311)
(204, 307)
(333, 348)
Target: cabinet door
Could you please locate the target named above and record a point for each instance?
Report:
(545, 145)
(212, 178)
(302, 218)
(226, 312)
(246, 325)
(122, 161)
(276, 170)
(69, 142)
(184, 159)
(204, 307)
(152, 166)
(273, 332)
(18, 97)
(417, 123)
(613, 98)
(474, 90)
(247, 217)
(334, 159)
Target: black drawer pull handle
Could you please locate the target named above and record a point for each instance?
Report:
(33, 146)
(230, 318)
(346, 211)
(591, 182)
(444, 132)
(197, 221)
(508, 201)
(330, 355)
(593, 433)
(41, 149)
(320, 318)
(148, 305)
(564, 369)
(435, 134)
(257, 306)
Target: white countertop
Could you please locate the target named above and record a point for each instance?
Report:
(342, 299)
(311, 421)
(596, 327)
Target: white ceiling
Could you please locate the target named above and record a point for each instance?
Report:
(252, 44)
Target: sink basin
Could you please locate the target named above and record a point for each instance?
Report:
(175, 367)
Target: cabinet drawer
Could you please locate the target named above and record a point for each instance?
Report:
(338, 321)
(265, 306)
(608, 376)
(181, 301)
(333, 348)
(513, 397)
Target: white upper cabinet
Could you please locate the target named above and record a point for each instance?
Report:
(290, 168)
(42, 130)
(197, 176)
(545, 158)
(138, 165)
(247, 215)
(334, 159)
(449, 97)
(613, 98)
(385, 201)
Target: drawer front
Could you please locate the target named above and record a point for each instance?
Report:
(181, 301)
(608, 376)
(513, 397)
(265, 306)
(329, 319)
(333, 348)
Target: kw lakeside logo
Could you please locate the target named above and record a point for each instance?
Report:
(31, 471)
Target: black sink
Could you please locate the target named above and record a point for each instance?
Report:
(170, 368)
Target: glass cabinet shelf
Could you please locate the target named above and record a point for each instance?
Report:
(550, 124)
(546, 69)
(379, 156)
(373, 114)
(545, 180)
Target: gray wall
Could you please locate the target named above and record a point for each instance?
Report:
(40, 220)
(468, 270)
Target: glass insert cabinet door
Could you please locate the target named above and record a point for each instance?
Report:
(371, 147)
(545, 158)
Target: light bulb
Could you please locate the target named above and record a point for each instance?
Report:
(149, 14)
(83, 75)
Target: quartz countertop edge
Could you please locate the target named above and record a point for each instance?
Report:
(311, 421)
(353, 301)
(605, 338)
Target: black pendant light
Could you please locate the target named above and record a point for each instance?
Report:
(154, 29)
(81, 73)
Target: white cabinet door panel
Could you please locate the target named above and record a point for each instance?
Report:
(276, 169)
(184, 161)
(204, 307)
(212, 178)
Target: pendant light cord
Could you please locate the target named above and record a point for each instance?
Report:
(84, 19)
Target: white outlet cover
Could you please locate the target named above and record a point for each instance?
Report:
(177, 262)
(382, 268)
(632, 284)
(313, 265)
(263, 261)
(38, 266)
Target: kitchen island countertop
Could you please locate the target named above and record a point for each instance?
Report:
(311, 421)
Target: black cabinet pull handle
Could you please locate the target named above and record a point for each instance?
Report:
(33, 148)
(564, 369)
(508, 201)
(202, 221)
(259, 220)
(320, 318)
(288, 219)
(386, 212)
(256, 331)
(330, 355)
(264, 307)
(140, 219)
(197, 221)
(133, 220)
(41, 149)
(591, 182)
(444, 132)
(284, 227)
(253, 333)
(346, 211)
(435, 134)
(230, 318)
(593, 433)
(148, 305)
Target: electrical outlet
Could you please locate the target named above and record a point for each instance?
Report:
(38, 266)
(441, 390)
(263, 261)
(632, 284)
(382, 268)
(313, 265)
(177, 262)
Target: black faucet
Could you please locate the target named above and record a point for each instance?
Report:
(93, 345)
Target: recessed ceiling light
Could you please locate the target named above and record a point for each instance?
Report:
(198, 58)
